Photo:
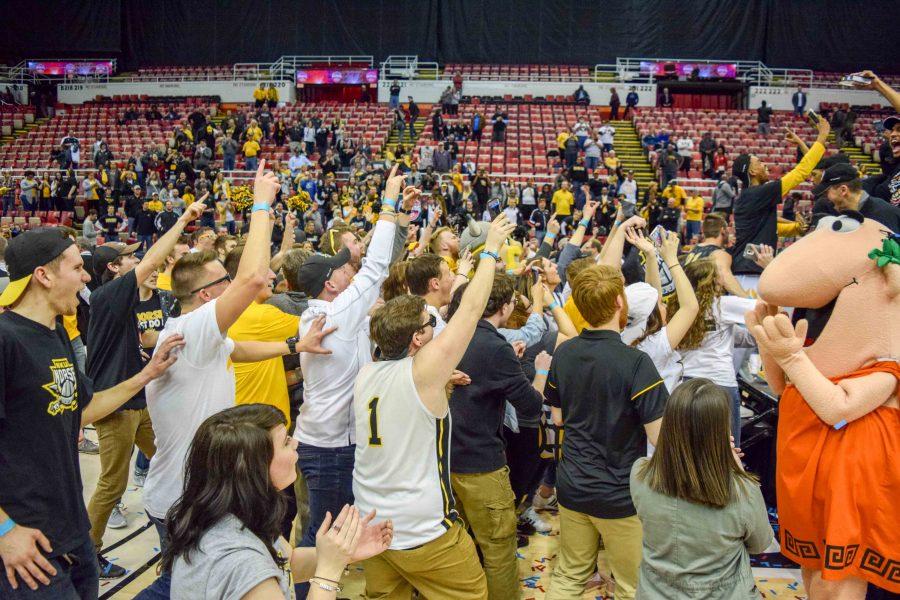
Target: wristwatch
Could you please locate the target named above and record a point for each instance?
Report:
(292, 344)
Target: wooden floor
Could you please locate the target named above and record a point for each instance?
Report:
(536, 561)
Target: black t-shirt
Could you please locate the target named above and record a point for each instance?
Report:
(114, 353)
(111, 226)
(755, 222)
(150, 315)
(144, 222)
(42, 394)
(607, 392)
(668, 218)
(886, 186)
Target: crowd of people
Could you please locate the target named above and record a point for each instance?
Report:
(406, 371)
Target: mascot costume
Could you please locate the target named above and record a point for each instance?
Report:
(838, 463)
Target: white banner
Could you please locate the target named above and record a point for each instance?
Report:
(430, 91)
(780, 98)
(228, 91)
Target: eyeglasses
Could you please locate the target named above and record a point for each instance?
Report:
(227, 277)
(432, 322)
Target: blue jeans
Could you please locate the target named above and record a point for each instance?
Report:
(394, 102)
(141, 463)
(252, 163)
(159, 589)
(591, 163)
(228, 162)
(146, 241)
(26, 204)
(329, 477)
(77, 578)
(693, 228)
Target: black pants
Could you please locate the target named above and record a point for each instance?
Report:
(523, 455)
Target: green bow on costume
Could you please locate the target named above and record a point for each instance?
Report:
(889, 252)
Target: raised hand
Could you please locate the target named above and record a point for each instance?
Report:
(792, 137)
(466, 263)
(265, 185)
(394, 185)
(499, 230)
(193, 212)
(764, 255)
(590, 209)
(669, 248)
(336, 543)
(553, 224)
(776, 336)
(633, 222)
(636, 238)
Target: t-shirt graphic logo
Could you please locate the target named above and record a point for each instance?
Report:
(63, 388)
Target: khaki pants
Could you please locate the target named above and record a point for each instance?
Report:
(445, 568)
(579, 542)
(118, 434)
(486, 502)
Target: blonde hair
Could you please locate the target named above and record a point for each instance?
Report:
(595, 291)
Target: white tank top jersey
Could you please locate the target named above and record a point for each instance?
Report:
(402, 465)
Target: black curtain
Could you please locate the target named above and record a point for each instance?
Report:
(841, 35)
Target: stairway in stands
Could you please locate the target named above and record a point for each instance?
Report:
(628, 150)
(393, 139)
(857, 155)
(23, 130)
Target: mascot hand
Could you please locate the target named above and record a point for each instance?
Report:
(775, 334)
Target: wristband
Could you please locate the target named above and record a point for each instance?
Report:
(549, 236)
(510, 271)
(584, 223)
(542, 372)
(6, 526)
(490, 254)
(553, 305)
(839, 425)
(257, 207)
(673, 266)
(617, 223)
(325, 586)
(392, 202)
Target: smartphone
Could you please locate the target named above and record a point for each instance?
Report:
(535, 275)
(750, 251)
(854, 79)
(658, 235)
(628, 209)
(813, 117)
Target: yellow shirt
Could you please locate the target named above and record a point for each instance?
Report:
(251, 148)
(188, 200)
(451, 262)
(694, 208)
(263, 382)
(155, 205)
(164, 281)
(677, 192)
(254, 133)
(272, 94)
(259, 94)
(561, 139)
(574, 314)
(563, 200)
(611, 162)
(70, 322)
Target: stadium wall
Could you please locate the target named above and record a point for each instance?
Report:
(228, 91)
(430, 91)
(779, 98)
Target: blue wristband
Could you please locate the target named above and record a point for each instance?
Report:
(542, 372)
(392, 202)
(6, 526)
(549, 236)
(489, 254)
(584, 223)
(839, 425)
(257, 207)
(553, 305)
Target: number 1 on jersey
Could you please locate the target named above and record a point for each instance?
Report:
(374, 440)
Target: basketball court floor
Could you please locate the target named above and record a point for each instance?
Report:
(136, 548)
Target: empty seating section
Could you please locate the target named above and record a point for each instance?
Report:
(830, 78)
(87, 122)
(735, 129)
(14, 117)
(176, 72)
(519, 72)
(531, 132)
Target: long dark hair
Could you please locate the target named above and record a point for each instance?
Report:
(693, 459)
(227, 473)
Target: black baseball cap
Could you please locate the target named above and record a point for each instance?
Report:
(318, 269)
(835, 174)
(889, 123)
(27, 252)
(830, 161)
(108, 252)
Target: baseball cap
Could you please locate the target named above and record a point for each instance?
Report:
(835, 174)
(110, 251)
(889, 123)
(318, 269)
(830, 161)
(642, 298)
(27, 252)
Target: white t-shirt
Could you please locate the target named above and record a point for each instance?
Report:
(529, 196)
(199, 385)
(666, 360)
(606, 134)
(512, 214)
(713, 359)
(441, 323)
(685, 146)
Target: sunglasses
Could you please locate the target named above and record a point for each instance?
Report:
(227, 277)
(432, 322)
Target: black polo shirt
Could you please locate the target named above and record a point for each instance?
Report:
(607, 391)
(755, 222)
